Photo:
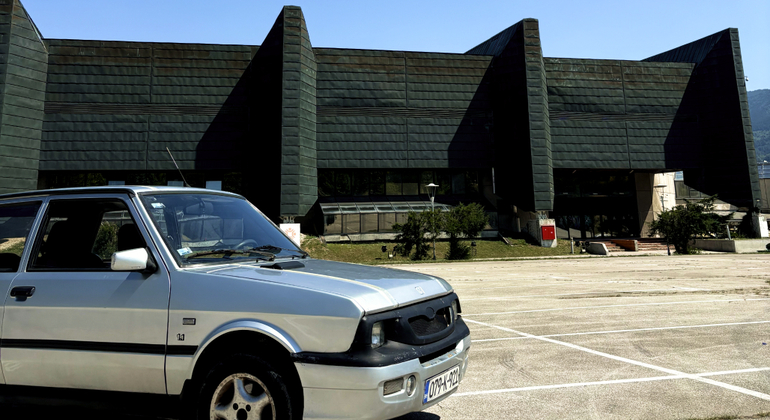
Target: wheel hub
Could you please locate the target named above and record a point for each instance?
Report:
(241, 396)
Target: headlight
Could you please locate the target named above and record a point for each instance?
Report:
(378, 335)
(455, 309)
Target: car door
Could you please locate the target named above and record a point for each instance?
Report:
(84, 325)
(16, 220)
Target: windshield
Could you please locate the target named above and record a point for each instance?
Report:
(211, 228)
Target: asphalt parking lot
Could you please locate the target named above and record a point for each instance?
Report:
(649, 337)
(654, 337)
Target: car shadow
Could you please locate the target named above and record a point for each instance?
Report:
(419, 416)
(47, 412)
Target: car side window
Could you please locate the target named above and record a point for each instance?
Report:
(83, 235)
(15, 223)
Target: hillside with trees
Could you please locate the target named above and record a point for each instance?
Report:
(759, 107)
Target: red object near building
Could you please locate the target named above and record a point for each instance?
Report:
(548, 232)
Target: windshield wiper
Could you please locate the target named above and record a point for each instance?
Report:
(273, 249)
(267, 256)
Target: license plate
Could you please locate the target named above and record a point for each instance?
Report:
(441, 384)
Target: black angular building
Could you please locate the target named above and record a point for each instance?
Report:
(345, 140)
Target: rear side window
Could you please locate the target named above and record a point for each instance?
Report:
(15, 223)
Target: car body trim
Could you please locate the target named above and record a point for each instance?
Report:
(99, 346)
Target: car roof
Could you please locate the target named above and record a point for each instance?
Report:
(114, 189)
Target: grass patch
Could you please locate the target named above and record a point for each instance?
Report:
(371, 252)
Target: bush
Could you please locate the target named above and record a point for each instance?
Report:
(684, 222)
(463, 221)
(416, 234)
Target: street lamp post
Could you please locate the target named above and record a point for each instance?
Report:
(662, 209)
(432, 194)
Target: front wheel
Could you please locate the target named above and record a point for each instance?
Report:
(245, 387)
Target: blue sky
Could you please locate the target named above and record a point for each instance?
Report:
(616, 29)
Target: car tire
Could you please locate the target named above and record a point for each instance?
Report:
(245, 387)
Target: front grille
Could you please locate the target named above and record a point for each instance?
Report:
(422, 325)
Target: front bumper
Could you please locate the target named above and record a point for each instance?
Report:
(344, 392)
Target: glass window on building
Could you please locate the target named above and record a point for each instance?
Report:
(332, 218)
(402, 212)
(458, 183)
(377, 183)
(393, 183)
(326, 183)
(351, 219)
(386, 216)
(419, 207)
(685, 192)
(351, 223)
(343, 182)
(444, 181)
(369, 219)
(410, 181)
(360, 186)
(426, 177)
(471, 182)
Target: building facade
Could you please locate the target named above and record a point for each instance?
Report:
(344, 141)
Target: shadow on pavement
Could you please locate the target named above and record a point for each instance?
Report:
(37, 412)
(419, 416)
(43, 412)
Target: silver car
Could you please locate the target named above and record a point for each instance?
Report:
(195, 295)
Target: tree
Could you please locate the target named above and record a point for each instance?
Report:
(463, 221)
(684, 222)
(415, 234)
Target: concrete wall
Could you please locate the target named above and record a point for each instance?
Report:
(597, 248)
(726, 245)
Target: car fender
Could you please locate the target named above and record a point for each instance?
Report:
(181, 368)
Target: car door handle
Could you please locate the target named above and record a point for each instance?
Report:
(22, 291)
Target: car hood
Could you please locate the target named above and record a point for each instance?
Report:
(374, 289)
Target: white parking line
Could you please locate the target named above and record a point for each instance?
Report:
(614, 306)
(486, 340)
(612, 382)
(635, 362)
(733, 372)
(587, 293)
(459, 286)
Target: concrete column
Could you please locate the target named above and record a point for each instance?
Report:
(669, 192)
(644, 201)
(648, 198)
(759, 223)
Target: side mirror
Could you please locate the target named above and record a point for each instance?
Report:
(137, 259)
